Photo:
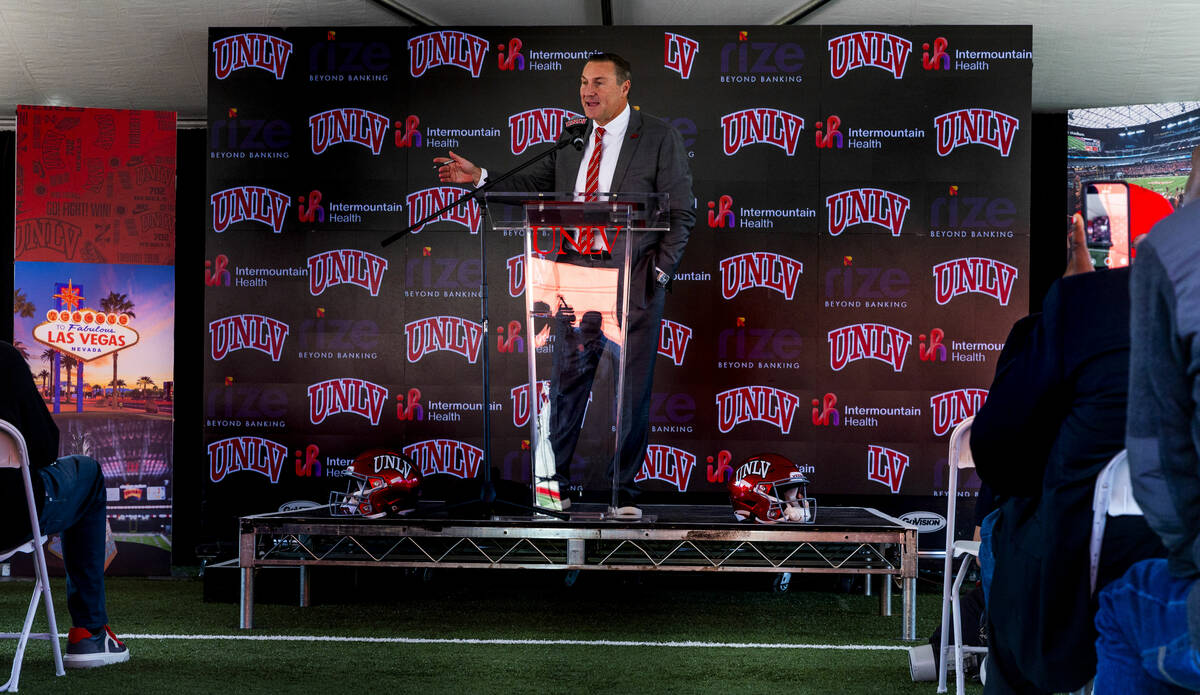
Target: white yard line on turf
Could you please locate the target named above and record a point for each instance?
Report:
(532, 642)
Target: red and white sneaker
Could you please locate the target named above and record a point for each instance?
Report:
(87, 650)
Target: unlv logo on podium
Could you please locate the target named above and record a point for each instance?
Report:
(874, 49)
(668, 464)
(886, 466)
(952, 407)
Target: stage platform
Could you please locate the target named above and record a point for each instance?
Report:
(679, 538)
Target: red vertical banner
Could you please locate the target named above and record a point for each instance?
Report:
(93, 308)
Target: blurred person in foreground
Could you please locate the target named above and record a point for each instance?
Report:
(1149, 619)
(70, 499)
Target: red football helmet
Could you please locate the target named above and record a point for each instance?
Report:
(382, 483)
(769, 488)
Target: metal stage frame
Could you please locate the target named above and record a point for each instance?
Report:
(679, 538)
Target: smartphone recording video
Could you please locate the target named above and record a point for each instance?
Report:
(1106, 223)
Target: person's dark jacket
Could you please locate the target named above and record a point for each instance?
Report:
(1053, 418)
(22, 406)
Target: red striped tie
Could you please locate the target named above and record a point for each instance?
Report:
(593, 170)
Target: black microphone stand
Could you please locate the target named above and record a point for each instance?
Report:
(487, 499)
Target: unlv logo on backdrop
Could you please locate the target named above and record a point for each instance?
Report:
(253, 454)
(249, 203)
(952, 407)
(981, 275)
(678, 53)
(536, 126)
(761, 125)
(347, 395)
(868, 49)
(358, 126)
(422, 202)
(723, 215)
(862, 341)
(456, 48)
(866, 206)
(516, 275)
(886, 466)
(450, 333)
(668, 464)
(252, 331)
(445, 456)
(261, 51)
(673, 339)
(975, 127)
(940, 60)
(513, 60)
(760, 269)
(762, 403)
(520, 401)
(345, 267)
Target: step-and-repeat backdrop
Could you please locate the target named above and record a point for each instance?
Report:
(860, 249)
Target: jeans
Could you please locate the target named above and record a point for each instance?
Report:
(987, 559)
(1144, 645)
(75, 506)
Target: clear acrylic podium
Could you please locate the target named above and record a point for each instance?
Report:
(578, 258)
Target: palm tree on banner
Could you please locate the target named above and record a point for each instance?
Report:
(22, 306)
(116, 303)
(21, 348)
(44, 376)
(69, 362)
(144, 381)
(48, 357)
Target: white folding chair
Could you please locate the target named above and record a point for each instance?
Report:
(959, 459)
(13, 454)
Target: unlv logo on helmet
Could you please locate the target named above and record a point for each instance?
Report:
(862, 341)
(446, 456)
(668, 464)
(345, 267)
(536, 126)
(866, 206)
(520, 401)
(678, 53)
(886, 466)
(456, 48)
(975, 127)
(760, 269)
(516, 275)
(952, 407)
(249, 203)
(252, 331)
(770, 126)
(347, 395)
(260, 51)
(253, 454)
(761, 403)
(422, 202)
(673, 340)
(868, 49)
(451, 333)
(981, 275)
(358, 126)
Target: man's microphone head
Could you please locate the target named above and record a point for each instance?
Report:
(573, 131)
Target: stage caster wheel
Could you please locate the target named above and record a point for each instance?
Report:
(570, 578)
(782, 582)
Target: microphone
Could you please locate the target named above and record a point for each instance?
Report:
(573, 131)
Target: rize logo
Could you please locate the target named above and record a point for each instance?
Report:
(358, 126)
(886, 466)
(866, 206)
(678, 53)
(939, 59)
(260, 51)
(975, 127)
(722, 215)
(449, 333)
(861, 341)
(760, 269)
(253, 454)
(233, 333)
(536, 126)
(512, 60)
(408, 133)
(874, 49)
(455, 48)
(347, 395)
(345, 267)
(673, 339)
(421, 203)
(445, 456)
(756, 403)
(980, 275)
(249, 203)
(761, 125)
(949, 408)
(516, 275)
(668, 464)
(827, 131)
(520, 401)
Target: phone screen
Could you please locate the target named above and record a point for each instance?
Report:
(1106, 223)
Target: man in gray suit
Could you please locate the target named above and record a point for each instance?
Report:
(626, 152)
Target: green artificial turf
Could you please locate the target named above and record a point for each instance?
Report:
(495, 605)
